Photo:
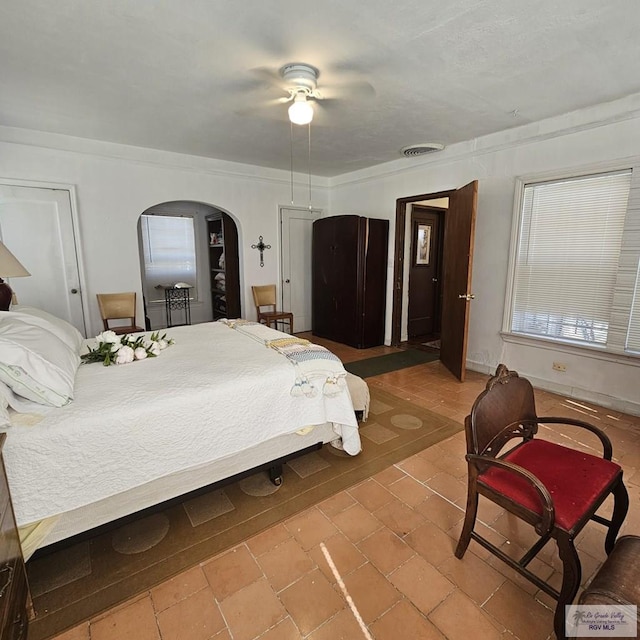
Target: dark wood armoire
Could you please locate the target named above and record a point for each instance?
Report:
(349, 278)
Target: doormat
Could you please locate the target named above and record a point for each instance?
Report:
(74, 584)
(390, 362)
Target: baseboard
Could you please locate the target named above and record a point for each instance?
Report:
(610, 402)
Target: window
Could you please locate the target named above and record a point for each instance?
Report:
(169, 250)
(575, 272)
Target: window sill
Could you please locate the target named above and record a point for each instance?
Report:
(585, 351)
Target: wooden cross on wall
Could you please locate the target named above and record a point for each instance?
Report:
(261, 246)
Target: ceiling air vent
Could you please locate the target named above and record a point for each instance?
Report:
(420, 149)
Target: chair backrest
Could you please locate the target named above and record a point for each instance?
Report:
(264, 296)
(507, 401)
(117, 306)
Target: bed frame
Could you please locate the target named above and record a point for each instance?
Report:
(274, 469)
(91, 520)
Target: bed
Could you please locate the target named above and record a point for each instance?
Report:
(226, 397)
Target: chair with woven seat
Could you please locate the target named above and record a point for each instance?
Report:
(264, 297)
(118, 306)
(552, 487)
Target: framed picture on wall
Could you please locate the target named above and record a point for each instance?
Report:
(423, 244)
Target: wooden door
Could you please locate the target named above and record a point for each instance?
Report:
(456, 297)
(423, 318)
(296, 226)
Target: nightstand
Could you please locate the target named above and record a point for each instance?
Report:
(15, 601)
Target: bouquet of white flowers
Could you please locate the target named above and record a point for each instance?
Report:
(115, 349)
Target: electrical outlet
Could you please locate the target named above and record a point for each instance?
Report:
(559, 366)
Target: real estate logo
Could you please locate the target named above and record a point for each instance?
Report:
(601, 621)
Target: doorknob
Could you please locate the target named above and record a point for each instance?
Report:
(74, 291)
(434, 279)
(466, 296)
(287, 281)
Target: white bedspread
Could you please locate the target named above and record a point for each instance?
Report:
(212, 394)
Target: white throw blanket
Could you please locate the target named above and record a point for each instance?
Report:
(311, 361)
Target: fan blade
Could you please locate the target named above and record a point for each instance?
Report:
(256, 84)
(267, 77)
(264, 107)
(356, 90)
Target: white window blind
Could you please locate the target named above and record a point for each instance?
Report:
(566, 268)
(633, 334)
(168, 244)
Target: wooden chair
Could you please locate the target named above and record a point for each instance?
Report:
(265, 296)
(555, 489)
(118, 306)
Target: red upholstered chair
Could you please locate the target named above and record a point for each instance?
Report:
(555, 489)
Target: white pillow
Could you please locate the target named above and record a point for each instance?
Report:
(35, 363)
(59, 327)
(19, 403)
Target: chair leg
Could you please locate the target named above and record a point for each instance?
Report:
(620, 508)
(571, 575)
(469, 521)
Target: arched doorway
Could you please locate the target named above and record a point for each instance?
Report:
(175, 248)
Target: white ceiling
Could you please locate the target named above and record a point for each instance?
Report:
(185, 75)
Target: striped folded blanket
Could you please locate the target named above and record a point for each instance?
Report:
(310, 361)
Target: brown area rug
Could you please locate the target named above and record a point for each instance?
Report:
(77, 582)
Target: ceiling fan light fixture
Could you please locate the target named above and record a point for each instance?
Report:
(301, 111)
(300, 75)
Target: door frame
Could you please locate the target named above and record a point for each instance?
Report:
(75, 223)
(399, 258)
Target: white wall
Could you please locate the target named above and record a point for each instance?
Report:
(116, 183)
(565, 143)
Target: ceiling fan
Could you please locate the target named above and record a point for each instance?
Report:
(299, 81)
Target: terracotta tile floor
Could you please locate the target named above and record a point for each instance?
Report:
(391, 541)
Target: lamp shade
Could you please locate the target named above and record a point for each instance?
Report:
(10, 267)
(301, 111)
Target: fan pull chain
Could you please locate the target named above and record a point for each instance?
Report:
(309, 166)
(291, 156)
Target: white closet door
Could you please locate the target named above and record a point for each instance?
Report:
(296, 235)
(36, 225)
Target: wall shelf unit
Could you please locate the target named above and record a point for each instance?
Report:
(224, 268)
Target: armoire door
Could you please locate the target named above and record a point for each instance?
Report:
(322, 278)
(347, 288)
(349, 276)
(374, 249)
